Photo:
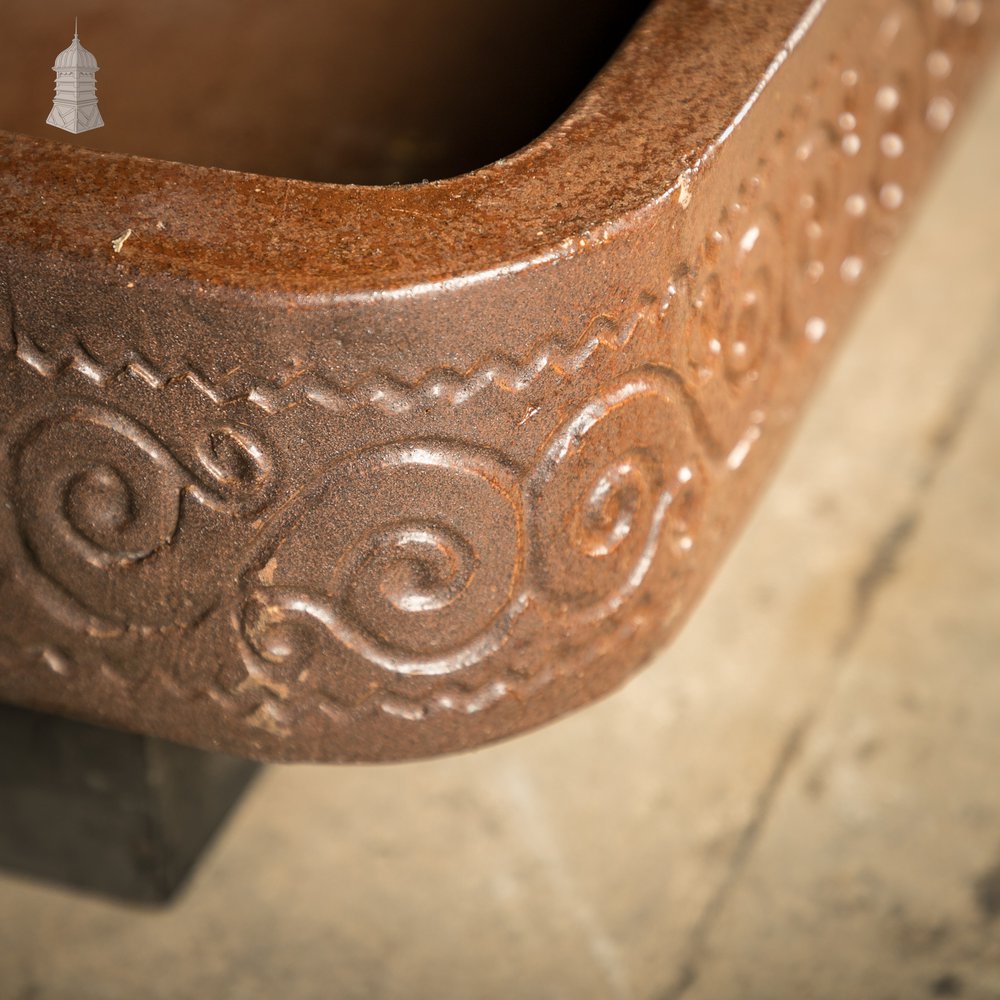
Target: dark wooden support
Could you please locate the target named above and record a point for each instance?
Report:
(115, 813)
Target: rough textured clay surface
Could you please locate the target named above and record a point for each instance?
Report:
(311, 471)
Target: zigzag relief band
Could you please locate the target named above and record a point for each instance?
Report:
(221, 526)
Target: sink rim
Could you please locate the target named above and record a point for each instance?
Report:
(618, 151)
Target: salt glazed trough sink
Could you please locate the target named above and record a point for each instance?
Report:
(298, 469)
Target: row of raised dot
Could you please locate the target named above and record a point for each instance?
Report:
(891, 145)
(890, 196)
(939, 113)
(856, 205)
(815, 328)
(887, 98)
(851, 268)
(851, 144)
(967, 12)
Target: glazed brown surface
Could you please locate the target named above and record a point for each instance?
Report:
(622, 146)
(309, 471)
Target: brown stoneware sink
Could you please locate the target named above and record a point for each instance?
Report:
(308, 470)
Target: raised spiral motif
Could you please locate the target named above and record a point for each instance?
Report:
(99, 500)
(406, 558)
(613, 485)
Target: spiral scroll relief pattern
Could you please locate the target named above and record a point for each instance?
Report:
(430, 572)
(427, 553)
(98, 500)
(411, 557)
(612, 485)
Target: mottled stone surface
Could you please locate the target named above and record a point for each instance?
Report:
(802, 803)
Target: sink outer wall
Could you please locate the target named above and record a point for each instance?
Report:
(313, 472)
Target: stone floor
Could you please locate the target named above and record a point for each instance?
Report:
(800, 799)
